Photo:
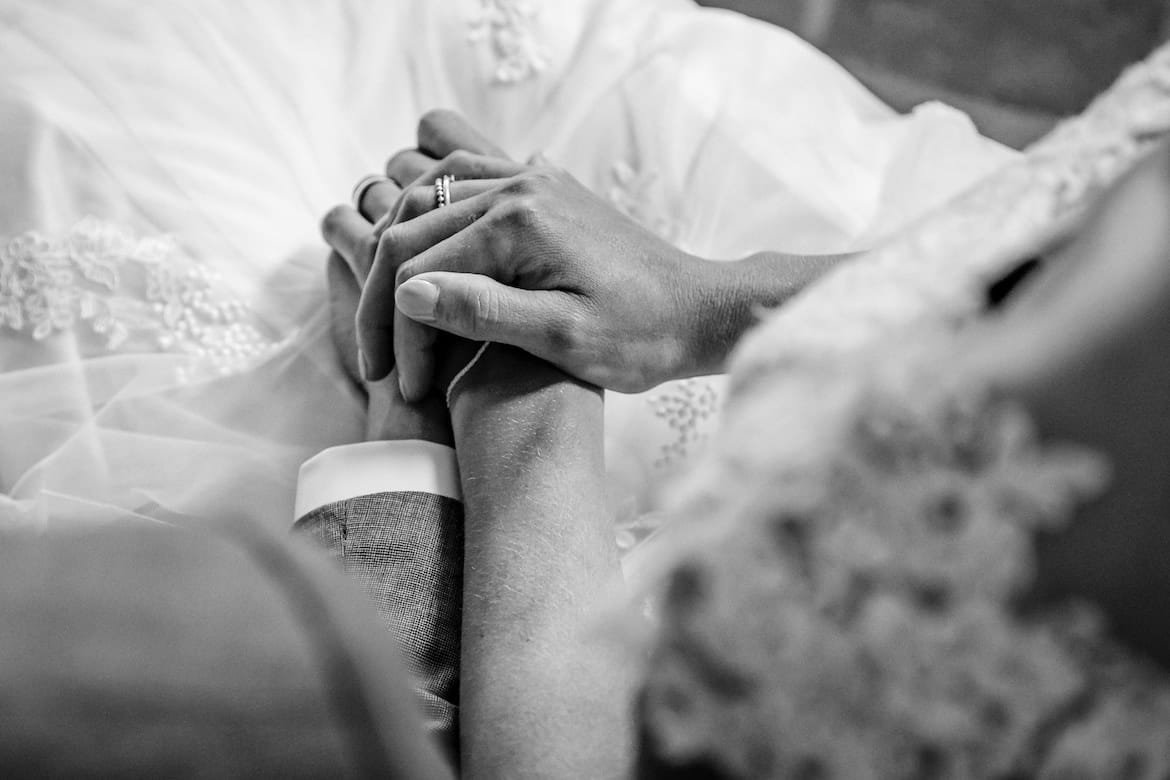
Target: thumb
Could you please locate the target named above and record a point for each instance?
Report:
(479, 308)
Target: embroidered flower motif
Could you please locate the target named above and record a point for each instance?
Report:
(689, 407)
(507, 25)
(133, 293)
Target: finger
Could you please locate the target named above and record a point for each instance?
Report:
(397, 245)
(406, 166)
(344, 294)
(377, 199)
(479, 308)
(467, 251)
(349, 234)
(468, 165)
(414, 350)
(442, 131)
(421, 198)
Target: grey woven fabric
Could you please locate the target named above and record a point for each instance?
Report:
(406, 551)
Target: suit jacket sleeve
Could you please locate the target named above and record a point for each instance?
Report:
(405, 549)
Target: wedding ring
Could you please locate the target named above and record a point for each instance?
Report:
(443, 191)
(359, 189)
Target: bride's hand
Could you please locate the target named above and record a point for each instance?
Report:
(539, 262)
(447, 145)
(599, 296)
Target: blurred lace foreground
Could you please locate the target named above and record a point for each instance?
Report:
(840, 601)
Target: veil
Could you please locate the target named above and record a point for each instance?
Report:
(163, 336)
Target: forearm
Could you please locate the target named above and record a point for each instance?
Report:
(538, 696)
(735, 293)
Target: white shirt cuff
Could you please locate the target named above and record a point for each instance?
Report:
(352, 470)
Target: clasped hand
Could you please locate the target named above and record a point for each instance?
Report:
(522, 255)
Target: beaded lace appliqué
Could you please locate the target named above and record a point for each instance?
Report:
(132, 293)
(688, 407)
(507, 26)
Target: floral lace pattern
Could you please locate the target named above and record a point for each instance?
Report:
(689, 408)
(507, 27)
(131, 293)
(879, 570)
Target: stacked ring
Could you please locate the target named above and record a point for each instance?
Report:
(443, 191)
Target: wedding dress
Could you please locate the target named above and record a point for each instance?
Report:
(163, 333)
(875, 515)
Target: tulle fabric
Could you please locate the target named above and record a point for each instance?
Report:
(232, 127)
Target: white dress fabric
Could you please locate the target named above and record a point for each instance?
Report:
(873, 504)
(164, 166)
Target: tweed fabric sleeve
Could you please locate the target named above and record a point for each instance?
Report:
(405, 549)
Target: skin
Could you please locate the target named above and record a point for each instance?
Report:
(539, 697)
(543, 698)
(527, 256)
(1084, 348)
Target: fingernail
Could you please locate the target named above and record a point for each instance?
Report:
(363, 366)
(402, 388)
(416, 298)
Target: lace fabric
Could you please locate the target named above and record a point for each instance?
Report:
(507, 27)
(880, 569)
(1015, 212)
(876, 521)
(133, 294)
(162, 378)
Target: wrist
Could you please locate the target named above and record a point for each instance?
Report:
(390, 418)
(732, 296)
(728, 300)
(507, 386)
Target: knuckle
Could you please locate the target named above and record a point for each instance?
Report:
(398, 162)
(397, 158)
(435, 118)
(458, 161)
(520, 213)
(484, 311)
(387, 244)
(415, 202)
(565, 335)
(528, 183)
(496, 239)
(332, 217)
(405, 272)
(387, 240)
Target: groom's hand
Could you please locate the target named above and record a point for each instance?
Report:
(388, 416)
